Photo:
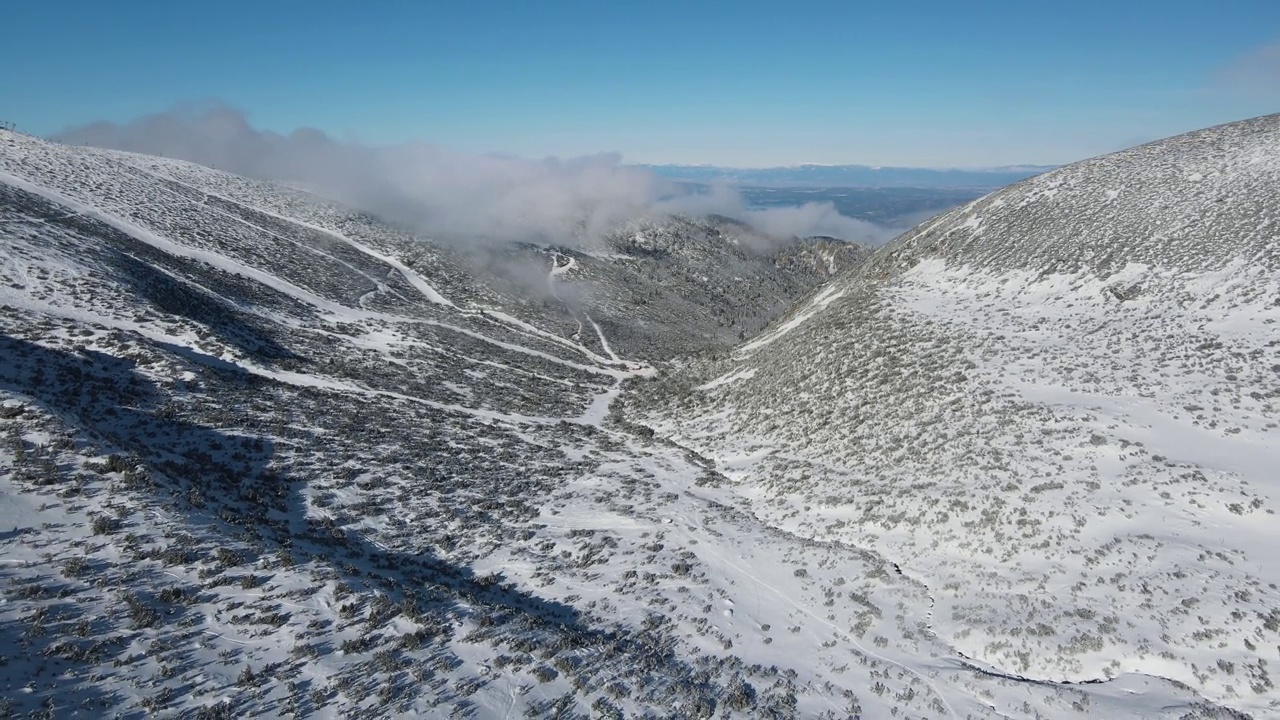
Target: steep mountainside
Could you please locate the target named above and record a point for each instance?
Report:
(261, 452)
(261, 455)
(1055, 409)
(708, 283)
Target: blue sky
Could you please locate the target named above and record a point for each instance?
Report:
(924, 83)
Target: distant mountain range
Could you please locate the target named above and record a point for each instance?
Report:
(853, 175)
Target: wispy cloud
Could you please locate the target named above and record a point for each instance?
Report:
(447, 194)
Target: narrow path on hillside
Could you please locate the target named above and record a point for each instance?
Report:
(418, 282)
(335, 310)
(410, 276)
(560, 269)
(599, 409)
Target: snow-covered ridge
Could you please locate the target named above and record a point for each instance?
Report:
(264, 455)
(1193, 202)
(1056, 409)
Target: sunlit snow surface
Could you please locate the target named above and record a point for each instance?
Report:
(262, 454)
(1056, 410)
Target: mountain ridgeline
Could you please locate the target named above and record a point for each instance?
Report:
(1056, 407)
(264, 454)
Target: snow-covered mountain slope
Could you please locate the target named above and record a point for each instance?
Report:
(705, 284)
(713, 280)
(1055, 409)
(261, 455)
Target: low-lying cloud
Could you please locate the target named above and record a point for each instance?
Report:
(452, 195)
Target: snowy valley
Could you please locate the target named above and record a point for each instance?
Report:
(264, 455)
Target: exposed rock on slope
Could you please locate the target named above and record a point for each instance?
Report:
(1055, 407)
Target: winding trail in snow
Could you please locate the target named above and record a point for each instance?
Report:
(379, 286)
(553, 276)
(600, 365)
(409, 274)
(594, 413)
(604, 342)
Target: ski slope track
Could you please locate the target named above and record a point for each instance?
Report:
(1055, 412)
